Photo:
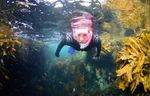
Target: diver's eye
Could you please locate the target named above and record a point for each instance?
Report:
(84, 35)
(78, 34)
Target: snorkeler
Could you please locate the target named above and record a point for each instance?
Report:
(82, 37)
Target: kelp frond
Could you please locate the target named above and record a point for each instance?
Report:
(134, 60)
(106, 47)
(8, 45)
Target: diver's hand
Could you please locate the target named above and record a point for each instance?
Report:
(57, 54)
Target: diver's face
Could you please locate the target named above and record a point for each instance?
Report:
(82, 37)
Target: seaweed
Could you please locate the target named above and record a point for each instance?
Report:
(106, 48)
(132, 14)
(134, 62)
(8, 47)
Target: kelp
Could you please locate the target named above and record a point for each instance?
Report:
(131, 13)
(8, 42)
(5, 31)
(8, 45)
(134, 62)
(110, 45)
(106, 47)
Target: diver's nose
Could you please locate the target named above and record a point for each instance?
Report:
(81, 39)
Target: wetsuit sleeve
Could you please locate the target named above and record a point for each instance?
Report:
(60, 46)
(98, 45)
(66, 40)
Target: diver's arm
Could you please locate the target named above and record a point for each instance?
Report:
(98, 45)
(65, 41)
(60, 46)
(98, 49)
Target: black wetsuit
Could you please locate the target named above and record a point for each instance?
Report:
(70, 41)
